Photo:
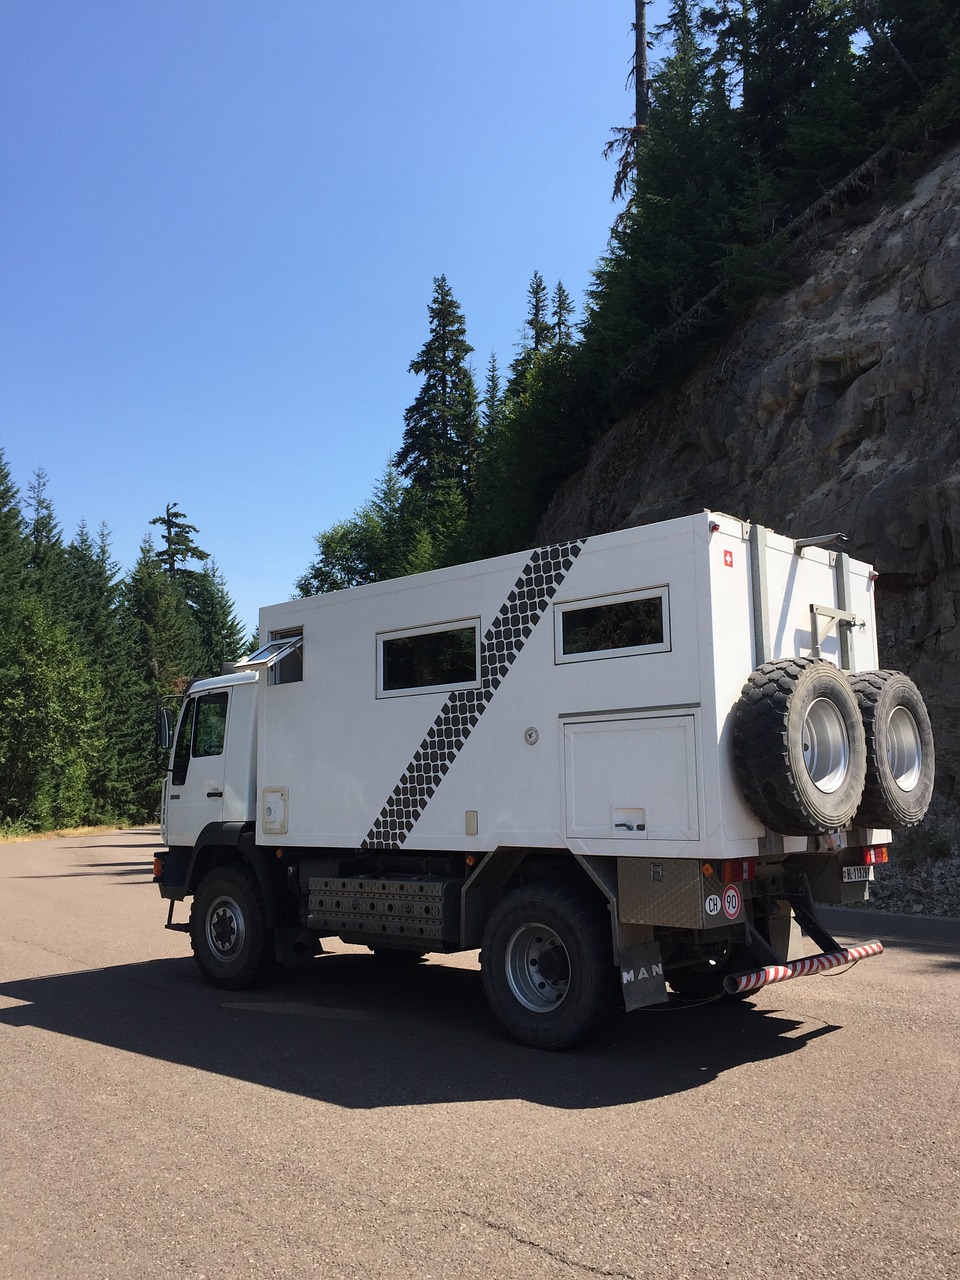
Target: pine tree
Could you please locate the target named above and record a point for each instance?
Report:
(156, 617)
(178, 544)
(92, 609)
(911, 72)
(13, 548)
(539, 333)
(440, 427)
(492, 406)
(562, 310)
(45, 551)
(166, 638)
(538, 314)
(625, 140)
(50, 732)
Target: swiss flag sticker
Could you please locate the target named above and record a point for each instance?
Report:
(728, 559)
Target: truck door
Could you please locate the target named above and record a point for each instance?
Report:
(195, 784)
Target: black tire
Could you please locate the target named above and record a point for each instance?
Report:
(901, 764)
(228, 929)
(547, 965)
(799, 746)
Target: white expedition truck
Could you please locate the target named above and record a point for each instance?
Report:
(616, 763)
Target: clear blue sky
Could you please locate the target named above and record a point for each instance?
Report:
(220, 222)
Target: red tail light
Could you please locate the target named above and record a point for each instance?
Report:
(738, 870)
(877, 854)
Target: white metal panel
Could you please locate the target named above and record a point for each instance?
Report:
(632, 778)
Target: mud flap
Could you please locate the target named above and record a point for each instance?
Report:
(641, 973)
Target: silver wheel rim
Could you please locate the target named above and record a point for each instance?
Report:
(826, 747)
(538, 968)
(904, 749)
(225, 929)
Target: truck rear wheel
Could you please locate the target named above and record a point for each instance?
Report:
(228, 928)
(900, 752)
(547, 966)
(799, 746)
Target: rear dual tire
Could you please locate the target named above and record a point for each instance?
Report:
(799, 746)
(901, 765)
(817, 750)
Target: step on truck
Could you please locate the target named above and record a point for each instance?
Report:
(622, 766)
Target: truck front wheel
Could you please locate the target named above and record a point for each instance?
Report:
(547, 966)
(228, 929)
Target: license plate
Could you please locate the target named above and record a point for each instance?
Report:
(852, 874)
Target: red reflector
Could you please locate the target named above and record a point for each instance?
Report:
(739, 869)
(872, 857)
(157, 867)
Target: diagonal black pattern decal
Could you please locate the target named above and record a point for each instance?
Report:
(506, 636)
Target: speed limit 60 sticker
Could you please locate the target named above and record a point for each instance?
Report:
(732, 902)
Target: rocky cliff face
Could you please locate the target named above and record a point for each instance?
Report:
(834, 407)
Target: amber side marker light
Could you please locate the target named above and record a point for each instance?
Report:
(157, 866)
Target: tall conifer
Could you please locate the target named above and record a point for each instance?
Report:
(440, 427)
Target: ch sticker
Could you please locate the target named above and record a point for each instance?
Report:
(712, 904)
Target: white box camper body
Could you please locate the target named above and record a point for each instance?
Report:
(616, 752)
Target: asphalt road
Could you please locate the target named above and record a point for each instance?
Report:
(347, 1122)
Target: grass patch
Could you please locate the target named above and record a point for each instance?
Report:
(12, 833)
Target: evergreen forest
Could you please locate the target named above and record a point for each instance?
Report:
(87, 655)
(756, 123)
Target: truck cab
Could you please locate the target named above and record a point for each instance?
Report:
(211, 778)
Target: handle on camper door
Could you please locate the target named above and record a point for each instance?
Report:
(214, 795)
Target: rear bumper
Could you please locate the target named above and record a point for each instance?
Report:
(742, 983)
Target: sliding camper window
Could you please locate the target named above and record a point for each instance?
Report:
(442, 657)
(613, 626)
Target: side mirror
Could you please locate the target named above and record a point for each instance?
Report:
(165, 726)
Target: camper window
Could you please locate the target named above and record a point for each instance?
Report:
(614, 626)
(282, 656)
(418, 661)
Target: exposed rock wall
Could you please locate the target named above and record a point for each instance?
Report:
(835, 407)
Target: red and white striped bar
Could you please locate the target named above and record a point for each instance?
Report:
(736, 985)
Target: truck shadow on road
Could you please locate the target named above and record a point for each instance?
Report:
(348, 1031)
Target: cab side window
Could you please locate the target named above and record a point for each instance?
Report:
(181, 751)
(210, 724)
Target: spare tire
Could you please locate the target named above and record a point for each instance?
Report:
(799, 746)
(900, 752)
